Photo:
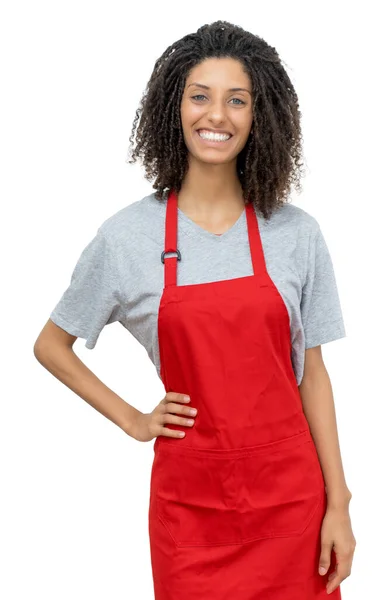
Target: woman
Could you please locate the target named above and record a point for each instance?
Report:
(248, 497)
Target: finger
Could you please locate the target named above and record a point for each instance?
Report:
(337, 576)
(325, 557)
(332, 579)
(176, 397)
(171, 407)
(166, 431)
(168, 418)
(333, 584)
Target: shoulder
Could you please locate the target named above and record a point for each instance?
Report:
(293, 221)
(135, 221)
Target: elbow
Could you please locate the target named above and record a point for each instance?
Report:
(51, 337)
(40, 350)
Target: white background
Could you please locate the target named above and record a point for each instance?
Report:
(75, 487)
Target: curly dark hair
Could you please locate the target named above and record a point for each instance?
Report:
(272, 157)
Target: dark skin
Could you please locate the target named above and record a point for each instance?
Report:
(213, 194)
(54, 350)
(319, 409)
(270, 160)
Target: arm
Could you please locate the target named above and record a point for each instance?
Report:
(54, 350)
(336, 532)
(318, 405)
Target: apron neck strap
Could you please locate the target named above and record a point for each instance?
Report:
(256, 248)
(170, 262)
(171, 223)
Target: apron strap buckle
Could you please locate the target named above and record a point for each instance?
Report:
(167, 252)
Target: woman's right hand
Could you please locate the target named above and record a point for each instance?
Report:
(149, 425)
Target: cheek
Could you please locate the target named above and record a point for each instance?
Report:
(243, 122)
(190, 114)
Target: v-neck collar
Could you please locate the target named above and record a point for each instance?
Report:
(192, 228)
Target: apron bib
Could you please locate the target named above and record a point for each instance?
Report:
(236, 505)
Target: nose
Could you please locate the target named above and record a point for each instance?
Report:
(217, 110)
(216, 113)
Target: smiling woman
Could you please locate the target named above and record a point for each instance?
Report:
(226, 80)
(229, 107)
(248, 500)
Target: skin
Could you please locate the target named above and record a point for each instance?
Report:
(211, 195)
(54, 350)
(319, 409)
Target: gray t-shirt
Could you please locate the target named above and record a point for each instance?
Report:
(119, 275)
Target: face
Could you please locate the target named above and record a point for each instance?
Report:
(210, 105)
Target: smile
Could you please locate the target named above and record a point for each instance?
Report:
(209, 136)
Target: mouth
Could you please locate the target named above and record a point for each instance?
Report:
(219, 140)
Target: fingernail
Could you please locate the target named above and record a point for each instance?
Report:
(322, 570)
(186, 398)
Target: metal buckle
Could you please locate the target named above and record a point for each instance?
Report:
(167, 252)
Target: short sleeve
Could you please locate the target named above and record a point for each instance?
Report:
(321, 311)
(92, 299)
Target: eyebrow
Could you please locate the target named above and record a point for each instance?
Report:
(206, 87)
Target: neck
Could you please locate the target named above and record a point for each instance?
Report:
(208, 189)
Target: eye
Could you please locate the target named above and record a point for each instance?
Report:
(202, 96)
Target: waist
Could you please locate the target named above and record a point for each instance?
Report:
(176, 445)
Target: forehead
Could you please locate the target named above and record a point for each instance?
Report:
(219, 72)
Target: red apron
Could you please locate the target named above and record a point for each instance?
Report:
(236, 505)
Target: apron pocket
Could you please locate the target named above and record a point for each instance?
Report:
(234, 496)
(279, 488)
(195, 496)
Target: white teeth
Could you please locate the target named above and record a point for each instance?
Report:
(215, 137)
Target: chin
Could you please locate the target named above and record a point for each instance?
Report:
(214, 161)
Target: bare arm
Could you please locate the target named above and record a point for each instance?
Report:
(54, 350)
(336, 532)
(318, 404)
